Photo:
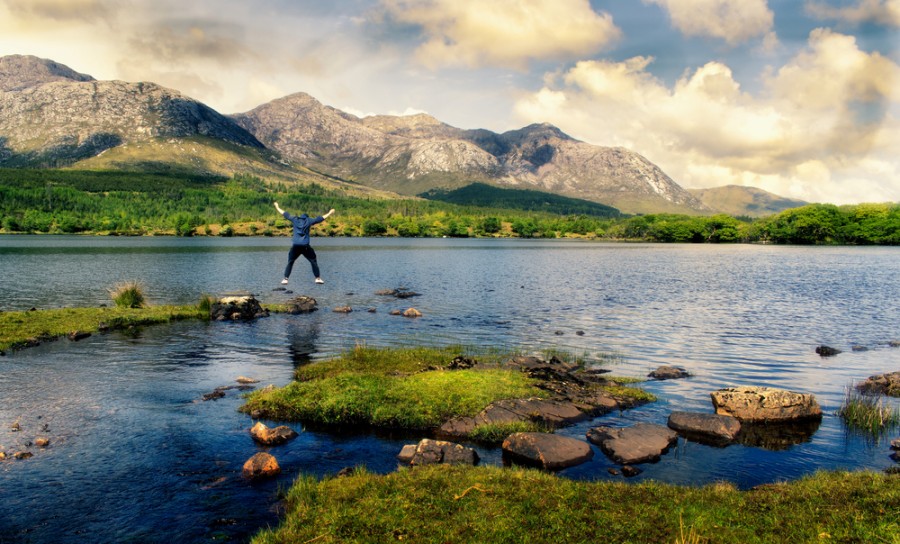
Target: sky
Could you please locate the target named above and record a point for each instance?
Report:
(797, 97)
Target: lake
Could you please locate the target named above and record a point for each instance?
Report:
(137, 456)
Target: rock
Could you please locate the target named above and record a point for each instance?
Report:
(2, 456)
(859, 348)
(640, 443)
(342, 310)
(41, 442)
(15, 427)
(216, 394)
(461, 363)
(245, 380)
(883, 384)
(412, 312)
(613, 471)
(23, 455)
(434, 452)
(714, 429)
(396, 312)
(78, 335)
(765, 404)
(302, 305)
(345, 472)
(630, 471)
(827, 351)
(669, 373)
(579, 333)
(548, 451)
(272, 437)
(895, 444)
(407, 453)
(261, 465)
(894, 343)
(236, 308)
(372, 310)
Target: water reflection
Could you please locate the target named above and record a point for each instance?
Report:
(777, 436)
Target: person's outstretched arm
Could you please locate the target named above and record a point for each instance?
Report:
(327, 215)
(277, 207)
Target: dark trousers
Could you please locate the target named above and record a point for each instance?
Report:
(307, 252)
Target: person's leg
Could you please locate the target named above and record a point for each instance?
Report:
(310, 255)
(295, 252)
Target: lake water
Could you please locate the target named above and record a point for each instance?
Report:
(136, 456)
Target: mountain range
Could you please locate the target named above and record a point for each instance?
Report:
(53, 116)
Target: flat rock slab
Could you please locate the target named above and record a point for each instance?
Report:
(715, 429)
(548, 451)
(884, 384)
(302, 305)
(434, 452)
(640, 443)
(550, 412)
(765, 404)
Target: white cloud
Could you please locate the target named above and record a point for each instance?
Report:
(886, 12)
(824, 127)
(734, 21)
(473, 33)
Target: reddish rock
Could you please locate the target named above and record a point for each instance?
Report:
(271, 437)
(261, 465)
(713, 428)
(412, 312)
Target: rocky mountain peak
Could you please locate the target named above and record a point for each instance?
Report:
(19, 72)
(420, 125)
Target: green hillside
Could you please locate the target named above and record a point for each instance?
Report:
(488, 196)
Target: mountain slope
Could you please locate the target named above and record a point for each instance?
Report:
(414, 154)
(52, 116)
(737, 200)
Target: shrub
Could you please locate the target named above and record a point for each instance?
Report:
(129, 294)
(868, 412)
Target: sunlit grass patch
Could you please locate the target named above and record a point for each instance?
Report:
(129, 294)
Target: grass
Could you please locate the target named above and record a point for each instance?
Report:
(129, 294)
(868, 413)
(390, 388)
(495, 433)
(445, 504)
(404, 388)
(22, 329)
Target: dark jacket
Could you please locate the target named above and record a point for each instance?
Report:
(301, 227)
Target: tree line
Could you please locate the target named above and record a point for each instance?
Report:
(135, 203)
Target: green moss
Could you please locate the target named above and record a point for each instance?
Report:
(497, 433)
(441, 504)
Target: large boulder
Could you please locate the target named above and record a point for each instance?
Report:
(261, 465)
(302, 305)
(548, 451)
(272, 437)
(640, 443)
(713, 429)
(433, 452)
(765, 404)
(883, 384)
(236, 308)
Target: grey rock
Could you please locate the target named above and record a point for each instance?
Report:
(827, 351)
(765, 404)
(883, 384)
(640, 443)
(434, 452)
(666, 372)
(302, 305)
(236, 308)
(712, 429)
(548, 451)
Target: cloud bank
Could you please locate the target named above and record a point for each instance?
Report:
(729, 20)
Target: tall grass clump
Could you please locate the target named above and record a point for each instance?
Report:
(129, 294)
(868, 413)
(205, 304)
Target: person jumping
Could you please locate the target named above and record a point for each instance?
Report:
(301, 241)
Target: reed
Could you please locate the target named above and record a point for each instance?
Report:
(868, 413)
(129, 294)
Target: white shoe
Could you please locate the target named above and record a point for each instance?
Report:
(284, 281)
(320, 280)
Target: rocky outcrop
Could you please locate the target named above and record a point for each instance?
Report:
(302, 305)
(640, 443)
(236, 308)
(883, 384)
(765, 404)
(547, 451)
(669, 373)
(434, 452)
(712, 429)
(261, 465)
(272, 436)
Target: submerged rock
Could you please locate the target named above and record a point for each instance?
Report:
(547, 451)
(777, 436)
(666, 372)
(342, 310)
(765, 404)
(827, 351)
(640, 443)
(412, 312)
